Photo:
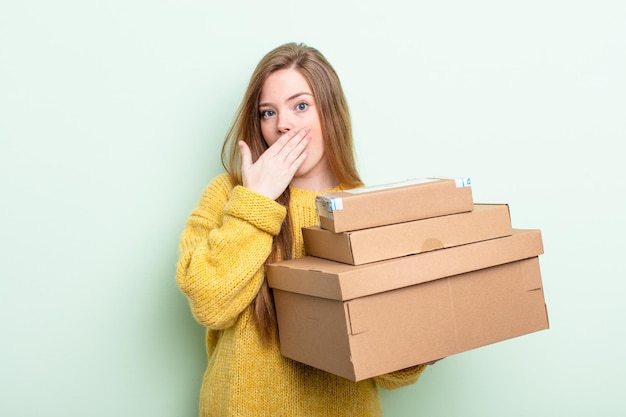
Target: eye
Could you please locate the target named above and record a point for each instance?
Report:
(302, 106)
(266, 114)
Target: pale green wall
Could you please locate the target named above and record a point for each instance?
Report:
(112, 115)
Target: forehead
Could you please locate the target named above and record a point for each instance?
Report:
(283, 84)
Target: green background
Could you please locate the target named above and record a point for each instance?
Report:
(112, 116)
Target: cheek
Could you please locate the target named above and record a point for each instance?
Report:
(317, 146)
(319, 139)
(268, 135)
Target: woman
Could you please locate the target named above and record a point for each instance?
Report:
(290, 141)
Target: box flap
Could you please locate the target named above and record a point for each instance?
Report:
(532, 276)
(319, 242)
(312, 330)
(505, 311)
(339, 281)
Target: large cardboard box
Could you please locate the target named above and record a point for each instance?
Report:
(362, 321)
(485, 221)
(393, 203)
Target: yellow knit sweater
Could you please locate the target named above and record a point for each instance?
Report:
(221, 268)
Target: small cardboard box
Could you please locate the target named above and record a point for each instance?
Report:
(405, 201)
(485, 221)
(362, 321)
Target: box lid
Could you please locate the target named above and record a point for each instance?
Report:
(338, 281)
(379, 205)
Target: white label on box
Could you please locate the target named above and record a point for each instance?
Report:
(326, 205)
(463, 182)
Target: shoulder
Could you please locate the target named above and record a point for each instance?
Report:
(222, 181)
(218, 188)
(347, 187)
(214, 196)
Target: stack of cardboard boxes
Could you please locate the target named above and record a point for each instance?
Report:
(403, 274)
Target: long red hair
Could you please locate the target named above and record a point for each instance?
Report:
(338, 144)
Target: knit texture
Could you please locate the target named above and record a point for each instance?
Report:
(221, 268)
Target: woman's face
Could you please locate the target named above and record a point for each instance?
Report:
(287, 103)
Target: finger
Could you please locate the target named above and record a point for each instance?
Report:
(292, 154)
(246, 155)
(290, 139)
(296, 145)
(297, 163)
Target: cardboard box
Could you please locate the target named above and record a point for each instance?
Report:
(485, 221)
(362, 321)
(393, 203)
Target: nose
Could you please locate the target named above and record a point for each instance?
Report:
(284, 123)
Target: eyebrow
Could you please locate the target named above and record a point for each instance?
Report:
(301, 93)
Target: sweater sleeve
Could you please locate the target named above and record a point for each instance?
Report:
(400, 378)
(223, 248)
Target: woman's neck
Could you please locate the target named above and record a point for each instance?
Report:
(316, 183)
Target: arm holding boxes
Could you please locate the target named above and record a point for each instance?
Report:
(401, 378)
